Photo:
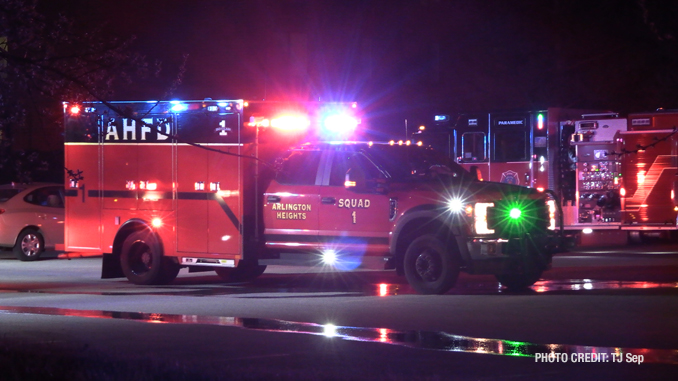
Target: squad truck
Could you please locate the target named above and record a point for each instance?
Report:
(233, 186)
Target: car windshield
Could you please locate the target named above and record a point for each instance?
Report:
(6, 194)
(407, 163)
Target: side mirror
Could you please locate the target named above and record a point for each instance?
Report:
(475, 173)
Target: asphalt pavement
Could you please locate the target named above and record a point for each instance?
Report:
(58, 320)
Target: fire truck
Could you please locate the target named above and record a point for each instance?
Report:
(613, 175)
(230, 186)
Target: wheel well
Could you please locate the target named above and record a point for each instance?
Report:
(418, 227)
(111, 267)
(124, 232)
(29, 227)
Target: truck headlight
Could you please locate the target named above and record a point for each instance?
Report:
(455, 205)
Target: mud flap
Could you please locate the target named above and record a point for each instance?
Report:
(110, 267)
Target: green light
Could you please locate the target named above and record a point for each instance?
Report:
(515, 213)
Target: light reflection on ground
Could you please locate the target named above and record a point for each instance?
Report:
(588, 284)
(440, 341)
(544, 286)
(358, 288)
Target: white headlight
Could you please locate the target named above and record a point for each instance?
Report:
(455, 205)
(329, 257)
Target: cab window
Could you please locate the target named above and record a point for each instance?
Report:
(510, 146)
(299, 168)
(341, 163)
(473, 146)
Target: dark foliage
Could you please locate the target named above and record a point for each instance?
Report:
(45, 59)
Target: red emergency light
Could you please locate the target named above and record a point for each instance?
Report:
(259, 121)
(291, 122)
(282, 122)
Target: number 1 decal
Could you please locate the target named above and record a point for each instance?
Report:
(353, 215)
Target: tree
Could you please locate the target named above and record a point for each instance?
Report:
(45, 59)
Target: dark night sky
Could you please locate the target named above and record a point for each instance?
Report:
(407, 59)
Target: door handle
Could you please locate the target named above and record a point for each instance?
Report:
(328, 200)
(273, 199)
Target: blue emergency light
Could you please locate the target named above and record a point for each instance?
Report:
(178, 107)
(340, 123)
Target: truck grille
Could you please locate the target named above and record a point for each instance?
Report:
(512, 218)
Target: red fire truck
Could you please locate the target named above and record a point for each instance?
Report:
(227, 186)
(613, 175)
(649, 152)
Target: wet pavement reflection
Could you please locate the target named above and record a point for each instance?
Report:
(545, 286)
(426, 340)
(337, 284)
(589, 284)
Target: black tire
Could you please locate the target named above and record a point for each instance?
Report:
(142, 260)
(29, 245)
(170, 270)
(519, 282)
(243, 273)
(533, 262)
(429, 267)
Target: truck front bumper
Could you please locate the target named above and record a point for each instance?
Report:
(496, 255)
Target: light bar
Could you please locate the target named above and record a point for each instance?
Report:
(290, 122)
(259, 121)
(178, 107)
(341, 123)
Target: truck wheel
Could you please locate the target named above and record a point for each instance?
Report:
(142, 261)
(429, 268)
(170, 270)
(243, 273)
(519, 282)
(29, 245)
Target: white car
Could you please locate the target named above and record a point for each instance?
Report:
(31, 218)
